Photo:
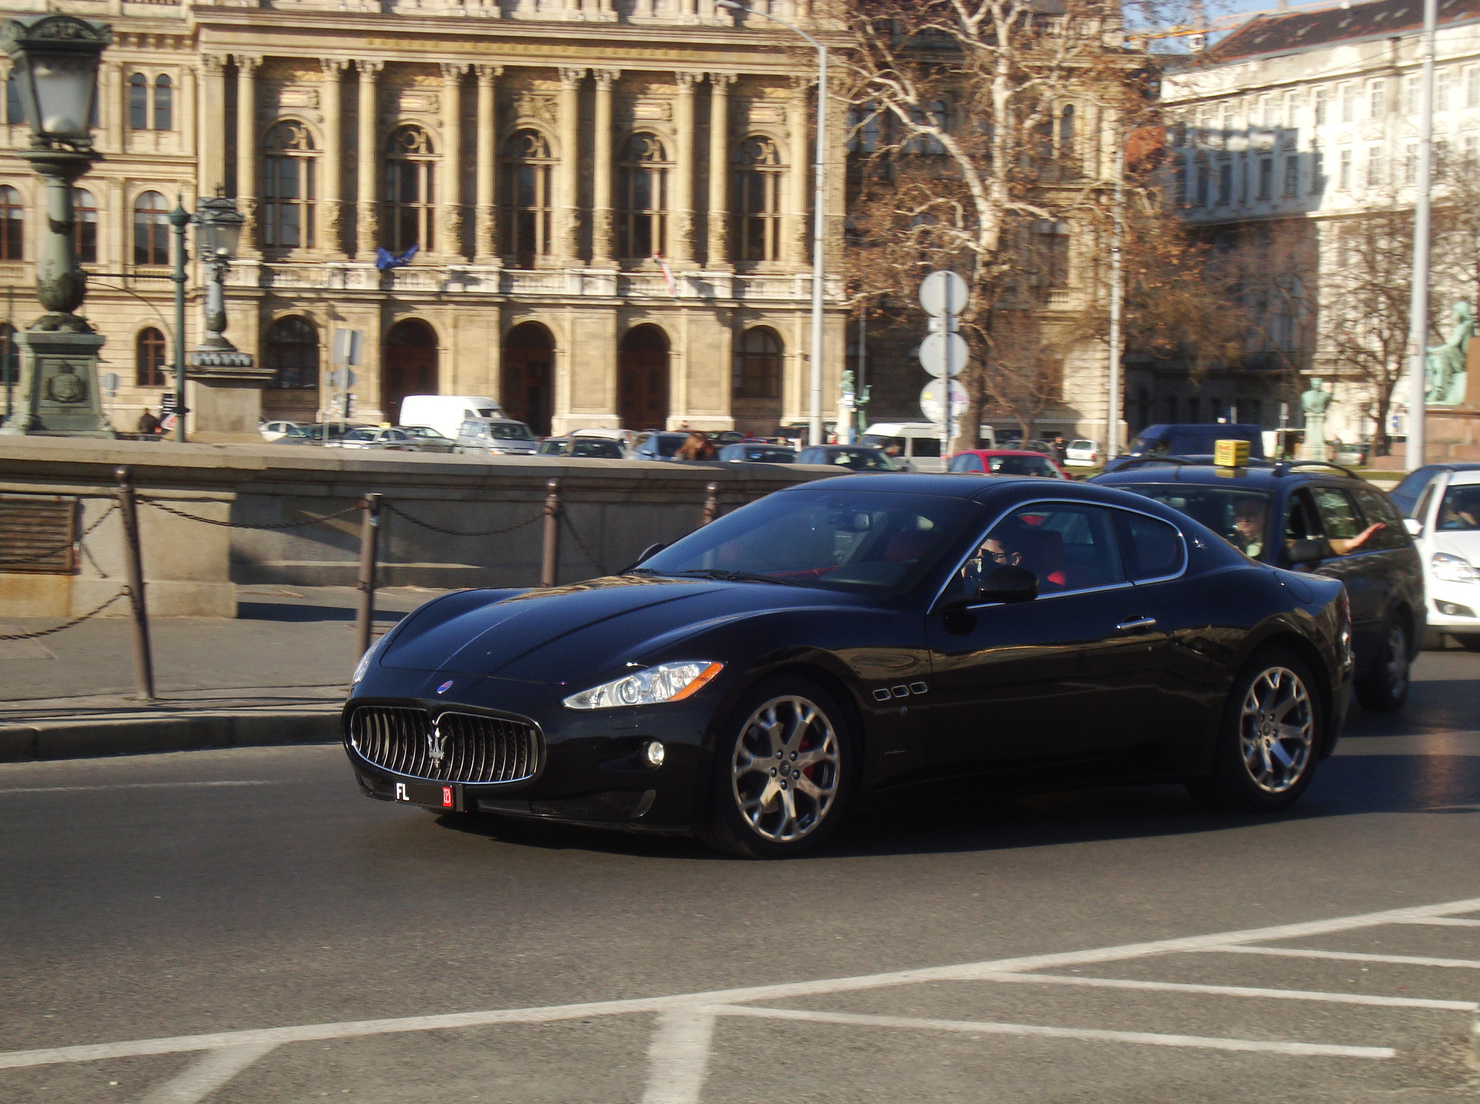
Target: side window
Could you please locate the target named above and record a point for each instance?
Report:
(1377, 508)
(1301, 521)
(1338, 512)
(925, 446)
(967, 462)
(1154, 549)
(1421, 507)
(1068, 546)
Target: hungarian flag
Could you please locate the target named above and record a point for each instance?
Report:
(667, 274)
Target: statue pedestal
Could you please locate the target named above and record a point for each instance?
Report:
(1313, 446)
(58, 392)
(224, 394)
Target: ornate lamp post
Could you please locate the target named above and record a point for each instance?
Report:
(55, 61)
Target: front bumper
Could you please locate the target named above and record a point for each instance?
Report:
(1453, 607)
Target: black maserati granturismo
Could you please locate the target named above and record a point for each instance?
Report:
(873, 639)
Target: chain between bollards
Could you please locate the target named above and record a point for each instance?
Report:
(711, 504)
(369, 556)
(134, 565)
(550, 560)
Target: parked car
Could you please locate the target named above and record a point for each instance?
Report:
(430, 440)
(1189, 441)
(857, 640)
(853, 457)
(912, 446)
(369, 437)
(1006, 462)
(1446, 528)
(319, 433)
(591, 448)
(276, 431)
(1083, 453)
(495, 437)
(659, 445)
(1405, 495)
(757, 452)
(447, 413)
(1300, 516)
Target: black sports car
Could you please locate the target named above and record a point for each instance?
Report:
(859, 639)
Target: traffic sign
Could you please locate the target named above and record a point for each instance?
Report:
(935, 349)
(342, 379)
(933, 400)
(943, 293)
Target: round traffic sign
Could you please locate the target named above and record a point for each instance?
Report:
(943, 293)
(934, 349)
(933, 400)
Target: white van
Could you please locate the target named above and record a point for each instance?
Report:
(914, 446)
(446, 413)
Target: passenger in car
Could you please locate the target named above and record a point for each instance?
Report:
(1248, 522)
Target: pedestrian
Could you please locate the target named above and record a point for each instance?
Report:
(697, 447)
(148, 423)
(1060, 449)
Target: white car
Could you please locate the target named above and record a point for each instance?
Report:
(1446, 529)
(383, 438)
(1082, 453)
(276, 431)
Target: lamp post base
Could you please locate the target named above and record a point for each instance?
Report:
(58, 394)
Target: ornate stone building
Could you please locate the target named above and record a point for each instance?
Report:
(541, 156)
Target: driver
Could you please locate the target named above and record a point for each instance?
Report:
(1248, 525)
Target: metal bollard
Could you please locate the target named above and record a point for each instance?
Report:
(711, 504)
(550, 561)
(133, 562)
(369, 556)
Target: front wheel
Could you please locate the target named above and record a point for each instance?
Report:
(1267, 743)
(782, 772)
(1385, 687)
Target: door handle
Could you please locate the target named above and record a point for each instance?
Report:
(1136, 623)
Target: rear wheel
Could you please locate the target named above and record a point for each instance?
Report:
(1385, 687)
(782, 772)
(1268, 741)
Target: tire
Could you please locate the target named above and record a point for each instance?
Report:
(1268, 741)
(786, 722)
(1385, 687)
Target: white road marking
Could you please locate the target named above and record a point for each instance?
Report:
(679, 1054)
(1237, 991)
(1442, 922)
(207, 1074)
(1350, 956)
(127, 786)
(1266, 1046)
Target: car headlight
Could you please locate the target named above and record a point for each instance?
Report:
(364, 665)
(667, 682)
(1453, 569)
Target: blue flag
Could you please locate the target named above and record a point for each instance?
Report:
(385, 259)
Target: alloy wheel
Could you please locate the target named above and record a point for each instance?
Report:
(786, 769)
(1276, 729)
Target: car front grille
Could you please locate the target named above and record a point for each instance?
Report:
(456, 747)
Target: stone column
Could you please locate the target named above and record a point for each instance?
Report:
(246, 149)
(683, 186)
(367, 224)
(485, 244)
(719, 170)
(187, 112)
(452, 204)
(568, 236)
(601, 184)
(331, 181)
(797, 176)
(212, 123)
(111, 92)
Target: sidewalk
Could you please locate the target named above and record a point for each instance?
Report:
(277, 674)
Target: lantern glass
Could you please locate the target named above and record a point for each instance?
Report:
(57, 92)
(219, 232)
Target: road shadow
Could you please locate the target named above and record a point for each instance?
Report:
(283, 611)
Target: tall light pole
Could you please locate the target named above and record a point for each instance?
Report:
(1418, 303)
(1117, 292)
(819, 214)
(179, 219)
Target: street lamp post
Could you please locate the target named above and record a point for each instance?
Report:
(55, 62)
(819, 214)
(179, 219)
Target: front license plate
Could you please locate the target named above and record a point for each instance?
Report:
(434, 795)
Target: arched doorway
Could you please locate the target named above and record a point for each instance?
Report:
(527, 391)
(755, 392)
(409, 365)
(642, 378)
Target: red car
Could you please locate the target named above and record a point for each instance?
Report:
(1006, 462)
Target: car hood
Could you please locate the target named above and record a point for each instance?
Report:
(1464, 543)
(585, 630)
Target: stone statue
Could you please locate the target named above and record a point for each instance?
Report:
(66, 386)
(1445, 365)
(1314, 403)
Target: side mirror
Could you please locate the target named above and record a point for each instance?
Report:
(1414, 527)
(1307, 551)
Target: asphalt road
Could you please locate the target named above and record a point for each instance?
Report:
(242, 926)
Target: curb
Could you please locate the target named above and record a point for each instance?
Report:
(70, 739)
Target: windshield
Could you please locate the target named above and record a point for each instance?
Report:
(510, 431)
(1238, 514)
(1460, 508)
(878, 543)
(360, 435)
(667, 445)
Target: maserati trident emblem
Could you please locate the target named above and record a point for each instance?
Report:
(436, 746)
(446, 686)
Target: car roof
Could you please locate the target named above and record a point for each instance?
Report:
(1257, 474)
(1465, 476)
(969, 486)
(1001, 452)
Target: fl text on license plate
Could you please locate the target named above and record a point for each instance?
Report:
(434, 795)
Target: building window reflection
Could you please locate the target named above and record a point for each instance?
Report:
(12, 225)
(410, 189)
(642, 182)
(151, 230)
(288, 187)
(149, 358)
(84, 226)
(528, 174)
(756, 201)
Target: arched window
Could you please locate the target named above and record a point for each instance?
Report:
(758, 365)
(151, 230)
(292, 352)
(10, 356)
(164, 103)
(756, 201)
(1066, 131)
(528, 207)
(642, 182)
(288, 189)
(410, 193)
(149, 358)
(138, 102)
(84, 226)
(12, 224)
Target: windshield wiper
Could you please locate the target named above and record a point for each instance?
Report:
(735, 576)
